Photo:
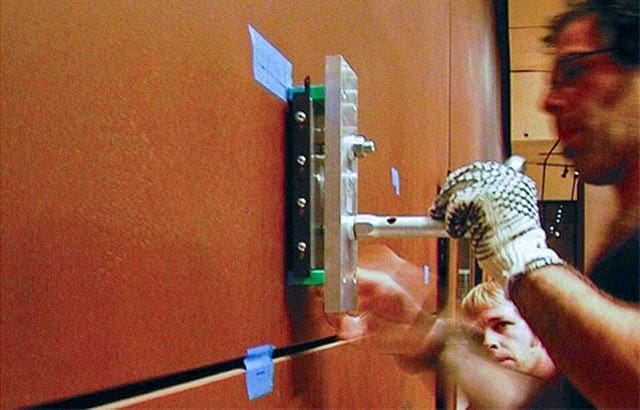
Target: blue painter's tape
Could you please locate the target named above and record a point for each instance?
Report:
(260, 369)
(270, 67)
(395, 180)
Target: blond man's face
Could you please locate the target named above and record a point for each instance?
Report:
(508, 337)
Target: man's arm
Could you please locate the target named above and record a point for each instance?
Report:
(485, 383)
(594, 339)
(394, 324)
(455, 350)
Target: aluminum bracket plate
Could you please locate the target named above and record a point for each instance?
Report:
(341, 186)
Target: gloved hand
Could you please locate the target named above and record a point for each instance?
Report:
(497, 205)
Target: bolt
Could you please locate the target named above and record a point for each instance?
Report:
(300, 117)
(302, 203)
(302, 247)
(363, 146)
(301, 160)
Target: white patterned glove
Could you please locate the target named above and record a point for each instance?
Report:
(497, 205)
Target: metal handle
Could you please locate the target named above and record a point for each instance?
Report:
(377, 226)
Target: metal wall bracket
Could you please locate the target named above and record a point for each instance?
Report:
(341, 185)
(323, 147)
(323, 224)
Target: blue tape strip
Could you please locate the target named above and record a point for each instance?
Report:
(270, 67)
(260, 369)
(395, 180)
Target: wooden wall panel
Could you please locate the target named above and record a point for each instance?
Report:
(527, 50)
(523, 13)
(142, 185)
(476, 132)
(142, 177)
(408, 119)
(528, 121)
(344, 377)
(135, 194)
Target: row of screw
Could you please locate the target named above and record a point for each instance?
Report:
(300, 117)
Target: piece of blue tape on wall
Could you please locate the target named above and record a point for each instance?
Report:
(395, 180)
(270, 67)
(259, 371)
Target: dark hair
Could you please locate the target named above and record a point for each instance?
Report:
(618, 22)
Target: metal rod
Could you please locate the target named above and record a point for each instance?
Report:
(377, 226)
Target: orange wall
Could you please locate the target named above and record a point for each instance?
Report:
(476, 126)
(142, 183)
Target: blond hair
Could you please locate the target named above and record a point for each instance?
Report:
(481, 297)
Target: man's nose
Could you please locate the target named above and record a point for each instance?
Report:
(553, 102)
(490, 339)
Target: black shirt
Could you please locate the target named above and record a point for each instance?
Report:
(617, 273)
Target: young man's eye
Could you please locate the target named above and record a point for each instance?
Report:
(502, 325)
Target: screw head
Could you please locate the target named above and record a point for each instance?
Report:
(300, 117)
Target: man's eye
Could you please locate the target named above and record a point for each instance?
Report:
(571, 74)
(502, 325)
